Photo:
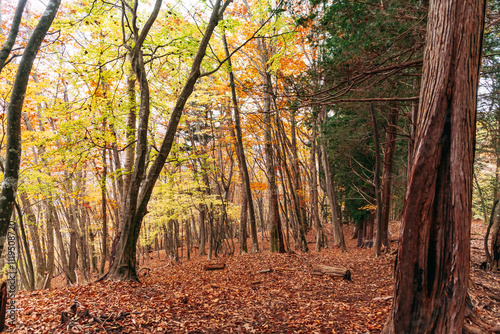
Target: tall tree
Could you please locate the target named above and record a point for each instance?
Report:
(242, 163)
(14, 30)
(434, 252)
(140, 188)
(13, 133)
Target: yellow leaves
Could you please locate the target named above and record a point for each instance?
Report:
(369, 207)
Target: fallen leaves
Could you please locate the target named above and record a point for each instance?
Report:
(254, 293)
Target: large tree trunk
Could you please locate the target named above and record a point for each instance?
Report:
(277, 243)
(495, 246)
(139, 192)
(433, 259)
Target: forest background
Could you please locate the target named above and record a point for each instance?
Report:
(296, 116)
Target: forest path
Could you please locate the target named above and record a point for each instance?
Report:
(184, 298)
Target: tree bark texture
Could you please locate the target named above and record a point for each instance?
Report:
(277, 243)
(433, 258)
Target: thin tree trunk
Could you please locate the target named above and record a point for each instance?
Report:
(376, 172)
(13, 132)
(70, 275)
(338, 231)
(489, 262)
(314, 187)
(240, 154)
(35, 239)
(104, 240)
(14, 29)
(390, 148)
(299, 200)
(30, 273)
(50, 244)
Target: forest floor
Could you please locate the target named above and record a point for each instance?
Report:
(184, 298)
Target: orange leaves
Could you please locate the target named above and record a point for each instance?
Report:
(242, 298)
(258, 186)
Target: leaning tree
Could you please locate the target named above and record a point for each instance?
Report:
(433, 259)
(13, 132)
(138, 194)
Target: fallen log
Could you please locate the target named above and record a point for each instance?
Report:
(381, 299)
(270, 270)
(332, 271)
(214, 266)
(285, 269)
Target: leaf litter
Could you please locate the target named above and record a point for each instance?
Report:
(254, 293)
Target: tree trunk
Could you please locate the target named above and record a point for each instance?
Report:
(240, 154)
(277, 244)
(131, 127)
(123, 265)
(376, 177)
(14, 29)
(390, 148)
(30, 273)
(50, 244)
(13, 132)
(70, 275)
(338, 233)
(243, 226)
(434, 252)
(495, 248)
(299, 200)
(35, 239)
(314, 186)
(104, 239)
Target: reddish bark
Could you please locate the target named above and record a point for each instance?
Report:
(434, 252)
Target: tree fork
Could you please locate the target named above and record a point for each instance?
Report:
(123, 267)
